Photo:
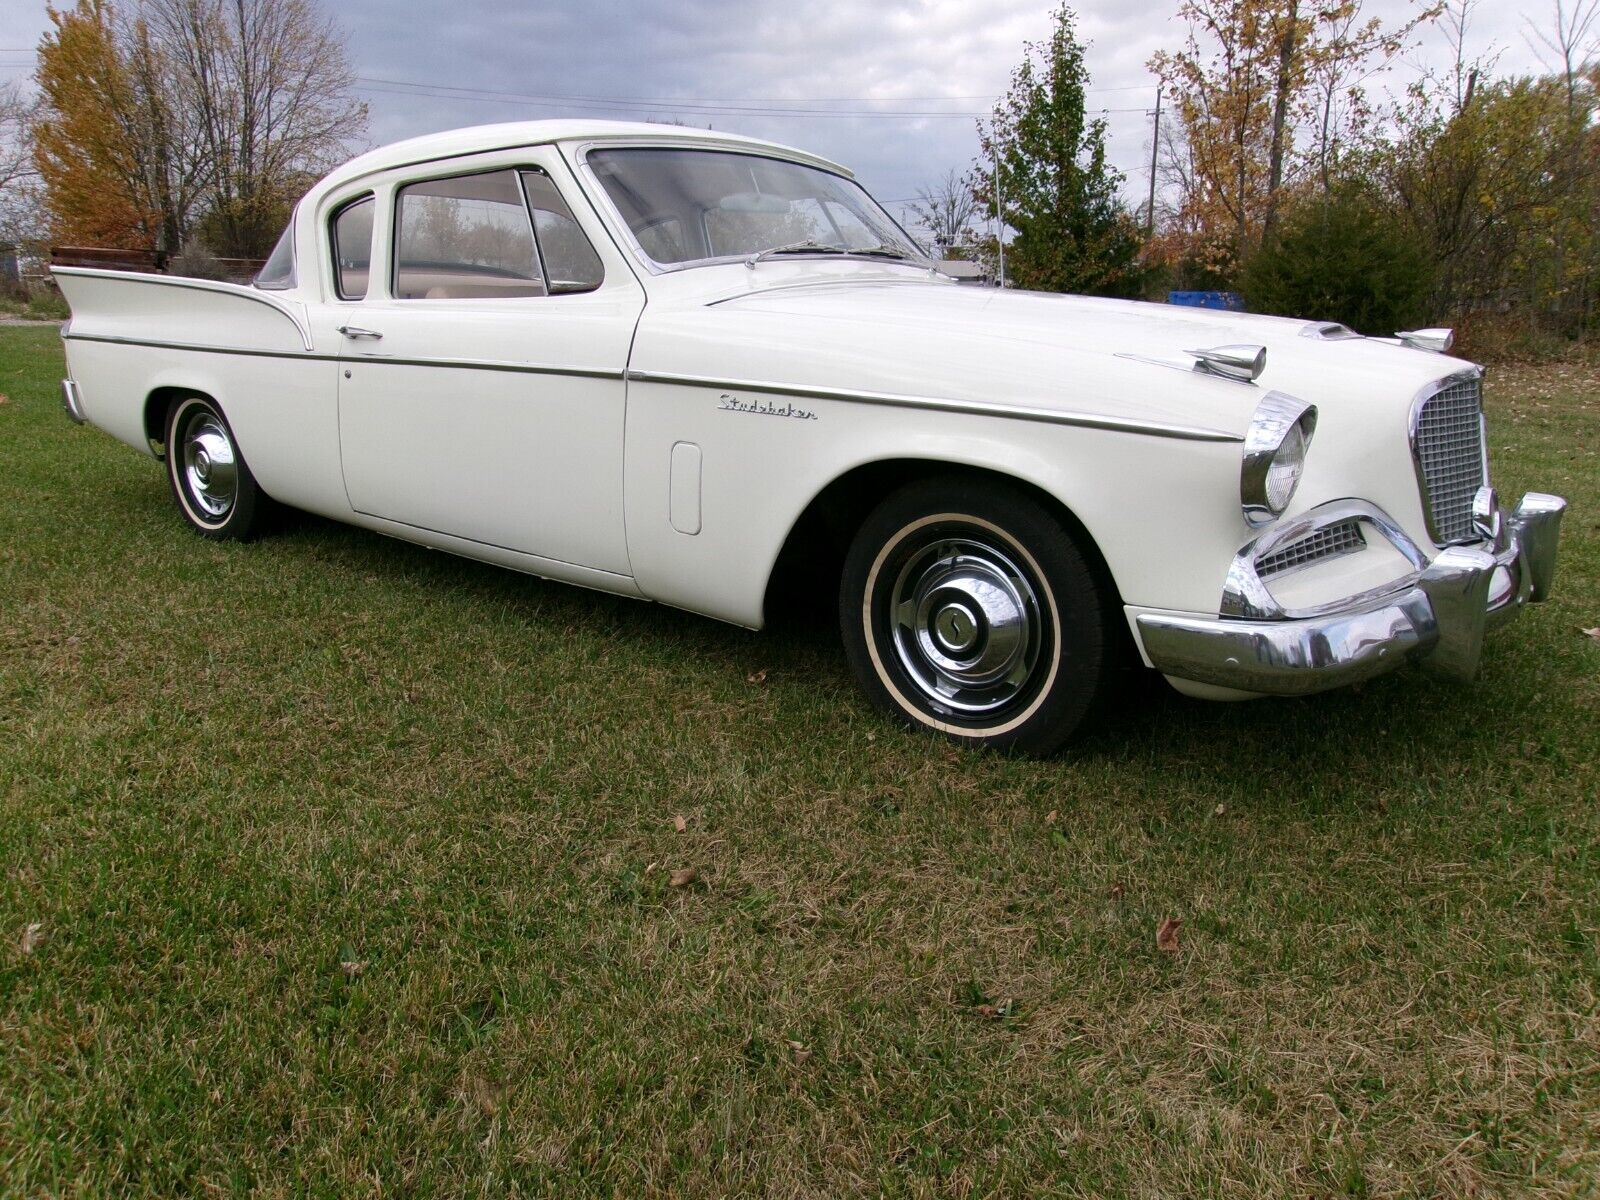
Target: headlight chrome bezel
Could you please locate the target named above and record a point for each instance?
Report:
(1275, 420)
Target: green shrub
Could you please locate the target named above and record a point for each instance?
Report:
(1342, 258)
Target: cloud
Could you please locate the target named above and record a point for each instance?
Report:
(919, 55)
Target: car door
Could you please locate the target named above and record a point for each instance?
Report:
(481, 390)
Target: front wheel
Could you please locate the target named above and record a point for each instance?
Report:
(967, 609)
(215, 491)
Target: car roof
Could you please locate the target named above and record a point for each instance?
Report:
(479, 139)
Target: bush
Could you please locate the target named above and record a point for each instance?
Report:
(196, 262)
(1342, 258)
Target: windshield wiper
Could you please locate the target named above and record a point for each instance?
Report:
(794, 248)
(881, 251)
(878, 251)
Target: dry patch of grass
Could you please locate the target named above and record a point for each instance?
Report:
(350, 868)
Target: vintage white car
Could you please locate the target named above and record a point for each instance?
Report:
(698, 369)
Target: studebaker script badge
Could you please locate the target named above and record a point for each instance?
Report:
(763, 408)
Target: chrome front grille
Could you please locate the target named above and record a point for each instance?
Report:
(1447, 442)
(1342, 537)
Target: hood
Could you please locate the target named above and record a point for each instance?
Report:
(905, 333)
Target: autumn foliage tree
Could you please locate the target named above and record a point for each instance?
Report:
(1255, 81)
(183, 111)
(91, 144)
(1054, 186)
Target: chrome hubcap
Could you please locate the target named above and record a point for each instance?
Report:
(209, 470)
(966, 625)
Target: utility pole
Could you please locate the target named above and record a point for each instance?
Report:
(1000, 217)
(1155, 147)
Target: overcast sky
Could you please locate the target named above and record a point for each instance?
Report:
(716, 61)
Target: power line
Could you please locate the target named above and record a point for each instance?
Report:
(685, 105)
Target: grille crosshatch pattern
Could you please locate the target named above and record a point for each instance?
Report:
(1449, 449)
(1343, 537)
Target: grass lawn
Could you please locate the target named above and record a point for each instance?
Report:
(330, 865)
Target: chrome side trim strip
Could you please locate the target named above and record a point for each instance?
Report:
(478, 364)
(974, 408)
(469, 364)
(283, 308)
(158, 344)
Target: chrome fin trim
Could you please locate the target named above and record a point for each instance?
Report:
(975, 408)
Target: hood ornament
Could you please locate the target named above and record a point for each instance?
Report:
(1437, 340)
(1244, 363)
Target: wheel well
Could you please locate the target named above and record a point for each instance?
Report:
(812, 557)
(156, 406)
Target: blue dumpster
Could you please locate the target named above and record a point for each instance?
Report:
(1230, 301)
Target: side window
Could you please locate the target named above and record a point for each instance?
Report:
(352, 248)
(467, 237)
(277, 273)
(570, 263)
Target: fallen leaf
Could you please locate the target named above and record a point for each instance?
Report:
(1050, 817)
(680, 823)
(757, 676)
(1592, 634)
(352, 970)
(1116, 892)
(995, 1012)
(801, 1054)
(4, 399)
(1167, 934)
(32, 936)
(1219, 810)
(683, 878)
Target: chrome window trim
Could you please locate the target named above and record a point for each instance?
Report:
(1413, 422)
(1244, 594)
(331, 226)
(894, 400)
(398, 186)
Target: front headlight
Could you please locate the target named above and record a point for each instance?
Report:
(1274, 456)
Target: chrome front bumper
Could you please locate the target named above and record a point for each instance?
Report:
(1438, 619)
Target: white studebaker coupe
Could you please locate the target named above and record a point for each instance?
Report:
(701, 369)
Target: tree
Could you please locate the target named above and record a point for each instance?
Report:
(92, 142)
(1054, 186)
(1344, 257)
(188, 108)
(946, 211)
(266, 85)
(18, 190)
(1250, 75)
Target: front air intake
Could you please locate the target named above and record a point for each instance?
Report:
(1447, 444)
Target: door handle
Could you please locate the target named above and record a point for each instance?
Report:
(355, 331)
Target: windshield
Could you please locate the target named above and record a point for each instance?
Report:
(688, 206)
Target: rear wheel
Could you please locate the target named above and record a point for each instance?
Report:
(968, 610)
(215, 491)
